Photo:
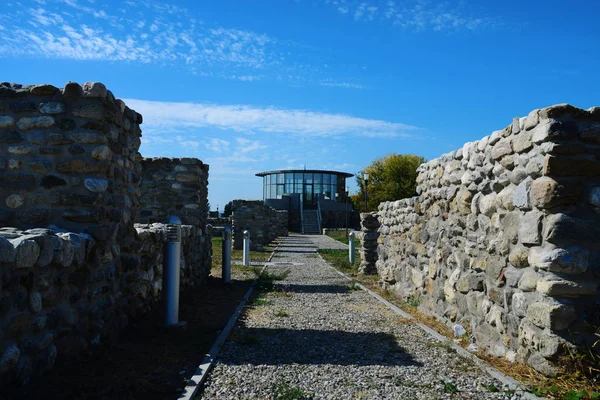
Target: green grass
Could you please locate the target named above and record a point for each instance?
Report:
(284, 391)
(339, 259)
(340, 236)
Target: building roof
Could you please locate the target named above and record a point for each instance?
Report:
(281, 171)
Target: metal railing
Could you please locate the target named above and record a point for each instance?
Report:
(319, 219)
(302, 212)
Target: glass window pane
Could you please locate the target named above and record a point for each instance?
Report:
(298, 179)
(334, 179)
(280, 190)
(289, 188)
(280, 178)
(289, 178)
(326, 179)
(308, 177)
(317, 178)
(317, 188)
(298, 188)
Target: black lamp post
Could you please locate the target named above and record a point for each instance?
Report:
(366, 180)
(217, 211)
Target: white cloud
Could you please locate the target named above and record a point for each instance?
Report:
(418, 14)
(247, 145)
(217, 145)
(172, 117)
(347, 85)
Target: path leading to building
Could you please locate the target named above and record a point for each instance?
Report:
(316, 336)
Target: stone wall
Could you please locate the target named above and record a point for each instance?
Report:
(73, 267)
(263, 222)
(62, 293)
(504, 237)
(68, 157)
(173, 186)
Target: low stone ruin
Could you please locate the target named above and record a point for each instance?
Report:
(504, 237)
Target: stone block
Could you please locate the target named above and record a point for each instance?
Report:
(530, 228)
(27, 252)
(17, 182)
(553, 285)
(554, 130)
(528, 281)
(522, 142)
(561, 227)
(551, 315)
(87, 137)
(543, 366)
(95, 111)
(471, 282)
(518, 256)
(7, 251)
(9, 136)
(26, 123)
(52, 107)
(521, 194)
(573, 260)
(548, 193)
(501, 149)
(566, 167)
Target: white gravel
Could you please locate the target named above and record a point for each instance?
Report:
(317, 337)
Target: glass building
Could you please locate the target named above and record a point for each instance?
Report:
(310, 185)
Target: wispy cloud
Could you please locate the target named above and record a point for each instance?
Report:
(217, 145)
(417, 14)
(172, 117)
(147, 32)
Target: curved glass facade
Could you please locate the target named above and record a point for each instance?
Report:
(309, 184)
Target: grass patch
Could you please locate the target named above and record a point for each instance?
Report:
(353, 286)
(340, 236)
(338, 258)
(265, 275)
(284, 391)
(282, 313)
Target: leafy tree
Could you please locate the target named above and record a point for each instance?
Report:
(227, 211)
(391, 177)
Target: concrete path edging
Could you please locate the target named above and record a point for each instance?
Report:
(505, 379)
(195, 383)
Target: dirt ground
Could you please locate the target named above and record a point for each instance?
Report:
(147, 363)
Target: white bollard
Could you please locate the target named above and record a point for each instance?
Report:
(351, 247)
(246, 256)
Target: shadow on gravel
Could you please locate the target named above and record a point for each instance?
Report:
(294, 288)
(313, 251)
(261, 346)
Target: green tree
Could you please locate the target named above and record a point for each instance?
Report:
(391, 177)
(227, 211)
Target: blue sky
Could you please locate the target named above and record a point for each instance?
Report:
(248, 85)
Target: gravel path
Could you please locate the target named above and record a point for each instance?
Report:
(314, 336)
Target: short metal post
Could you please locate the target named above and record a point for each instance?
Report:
(171, 272)
(351, 247)
(246, 256)
(226, 261)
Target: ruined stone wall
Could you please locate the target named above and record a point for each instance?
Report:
(504, 237)
(68, 157)
(263, 222)
(73, 268)
(63, 293)
(173, 186)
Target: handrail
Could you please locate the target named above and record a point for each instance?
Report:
(319, 216)
(302, 211)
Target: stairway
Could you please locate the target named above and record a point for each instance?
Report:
(310, 222)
